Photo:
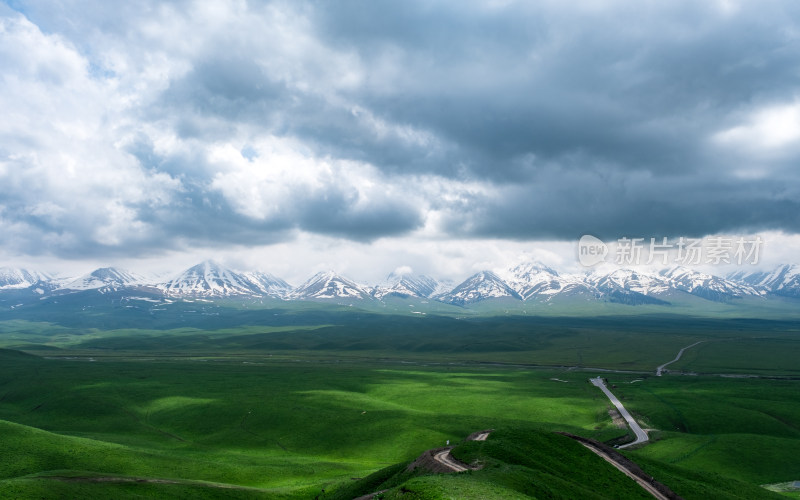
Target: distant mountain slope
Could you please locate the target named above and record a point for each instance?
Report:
(15, 278)
(210, 279)
(329, 285)
(626, 286)
(707, 286)
(406, 285)
(478, 287)
(109, 278)
(783, 280)
(534, 280)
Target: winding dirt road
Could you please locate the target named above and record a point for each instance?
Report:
(641, 435)
(444, 457)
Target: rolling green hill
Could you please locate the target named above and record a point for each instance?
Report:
(524, 462)
(308, 402)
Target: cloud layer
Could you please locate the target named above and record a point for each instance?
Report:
(141, 127)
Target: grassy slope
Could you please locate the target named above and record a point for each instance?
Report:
(523, 462)
(282, 426)
(33, 459)
(749, 428)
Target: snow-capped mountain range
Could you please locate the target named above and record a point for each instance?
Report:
(526, 282)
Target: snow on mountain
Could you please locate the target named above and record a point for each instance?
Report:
(480, 286)
(626, 286)
(406, 285)
(641, 282)
(783, 280)
(210, 279)
(267, 284)
(329, 285)
(529, 281)
(105, 278)
(15, 279)
(443, 286)
(535, 280)
(707, 286)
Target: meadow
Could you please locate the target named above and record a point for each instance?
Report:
(284, 427)
(287, 409)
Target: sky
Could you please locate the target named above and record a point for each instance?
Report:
(364, 136)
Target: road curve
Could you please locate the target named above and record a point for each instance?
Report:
(482, 436)
(680, 353)
(444, 457)
(641, 435)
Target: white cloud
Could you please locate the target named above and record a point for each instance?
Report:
(62, 171)
(403, 270)
(769, 129)
(124, 127)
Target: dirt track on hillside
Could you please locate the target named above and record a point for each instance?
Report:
(441, 461)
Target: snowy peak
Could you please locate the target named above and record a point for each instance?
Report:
(786, 281)
(210, 279)
(407, 285)
(329, 285)
(480, 286)
(105, 278)
(627, 279)
(626, 286)
(705, 285)
(12, 278)
(536, 280)
(267, 283)
(783, 280)
(531, 270)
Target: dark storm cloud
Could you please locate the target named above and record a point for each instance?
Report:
(336, 215)
(230, 87)
(565, 206)
(504, 94)
(636, 87)
(607, 118)
(571, 106)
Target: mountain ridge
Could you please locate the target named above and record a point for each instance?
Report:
(525, 282)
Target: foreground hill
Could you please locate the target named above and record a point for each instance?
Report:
(521, 462)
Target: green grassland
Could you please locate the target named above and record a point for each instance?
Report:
(749, 428)
(283, 403)
(637, 343)
(735, 355)
(280, 427)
